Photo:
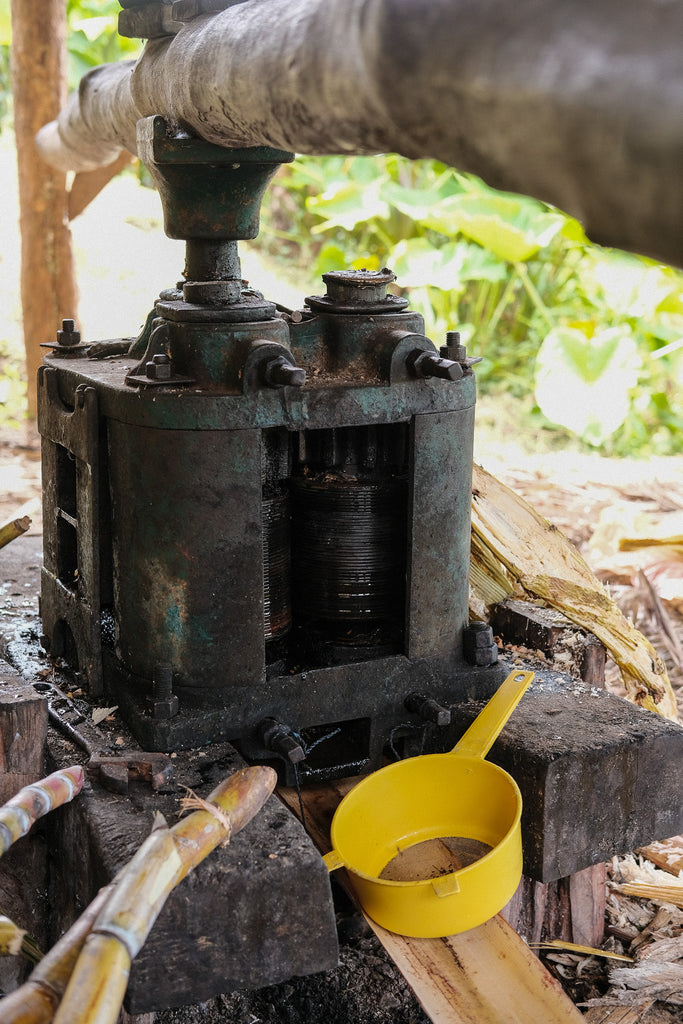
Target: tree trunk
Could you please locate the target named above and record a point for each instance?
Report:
(48, 287)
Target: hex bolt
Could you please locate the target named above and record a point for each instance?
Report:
(159, 368)
(278, 373)
(164, 703)
(280, 739)
(68, 336)
(428, 364)
(428, 709)
(453, 349)
(478, 646)
(162, 679)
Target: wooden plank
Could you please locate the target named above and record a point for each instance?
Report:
(485, 976)
(23, 730)
(587, 903)
(23, 870)
(616, 1014)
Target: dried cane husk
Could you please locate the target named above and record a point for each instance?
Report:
(98, 982)
(543, 563)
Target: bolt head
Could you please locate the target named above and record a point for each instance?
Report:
(164, 708)
(279, 373)
(68, 336)
(159, 368)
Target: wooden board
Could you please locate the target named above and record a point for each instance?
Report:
(23, 728)
(667, 854)
(485, 976)
(616, 1014)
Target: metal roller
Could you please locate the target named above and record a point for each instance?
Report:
(349, 542)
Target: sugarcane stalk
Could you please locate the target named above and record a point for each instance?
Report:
(12, 530)
(544, 564)
(98, 983)
(36, 1001)
(15, 941)
(32, 802)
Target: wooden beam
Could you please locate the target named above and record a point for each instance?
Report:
(23, 872)
(23, 731)
(617, 1014)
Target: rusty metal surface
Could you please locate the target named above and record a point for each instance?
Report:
(75, 583)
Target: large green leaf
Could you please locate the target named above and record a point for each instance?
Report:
(513, 229)
(478, 264)
(5, 23)
(330, 257)
(417, 264)
(584, 383)
(635, 287)
(418, 203)
(346, 204)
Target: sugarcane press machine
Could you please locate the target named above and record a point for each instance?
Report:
(257, 521)
(256, 535)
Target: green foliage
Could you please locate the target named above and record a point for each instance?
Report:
(585, 383)
(577, 327)
(92, 39)
(12, 387)
(5, 40)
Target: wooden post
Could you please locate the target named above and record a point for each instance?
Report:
(48, 287)
(23, 729)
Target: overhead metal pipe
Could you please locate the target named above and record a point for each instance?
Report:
(575, 102)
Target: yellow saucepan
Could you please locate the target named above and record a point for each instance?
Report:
(433, 843)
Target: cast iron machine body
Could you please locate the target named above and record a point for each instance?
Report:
(258, 521)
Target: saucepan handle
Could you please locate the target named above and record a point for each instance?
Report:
(333, 861)
(481, 735)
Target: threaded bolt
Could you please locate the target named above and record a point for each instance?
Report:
(68, 336)
(428, 364)
(164, 703)
(278, 373)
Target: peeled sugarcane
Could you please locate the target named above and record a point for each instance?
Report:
(36, 1001)
(32, 802)
(15, 941)
(95, 991)
(12, 530)
(542, 563)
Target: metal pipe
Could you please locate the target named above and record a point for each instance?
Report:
(575, 102)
